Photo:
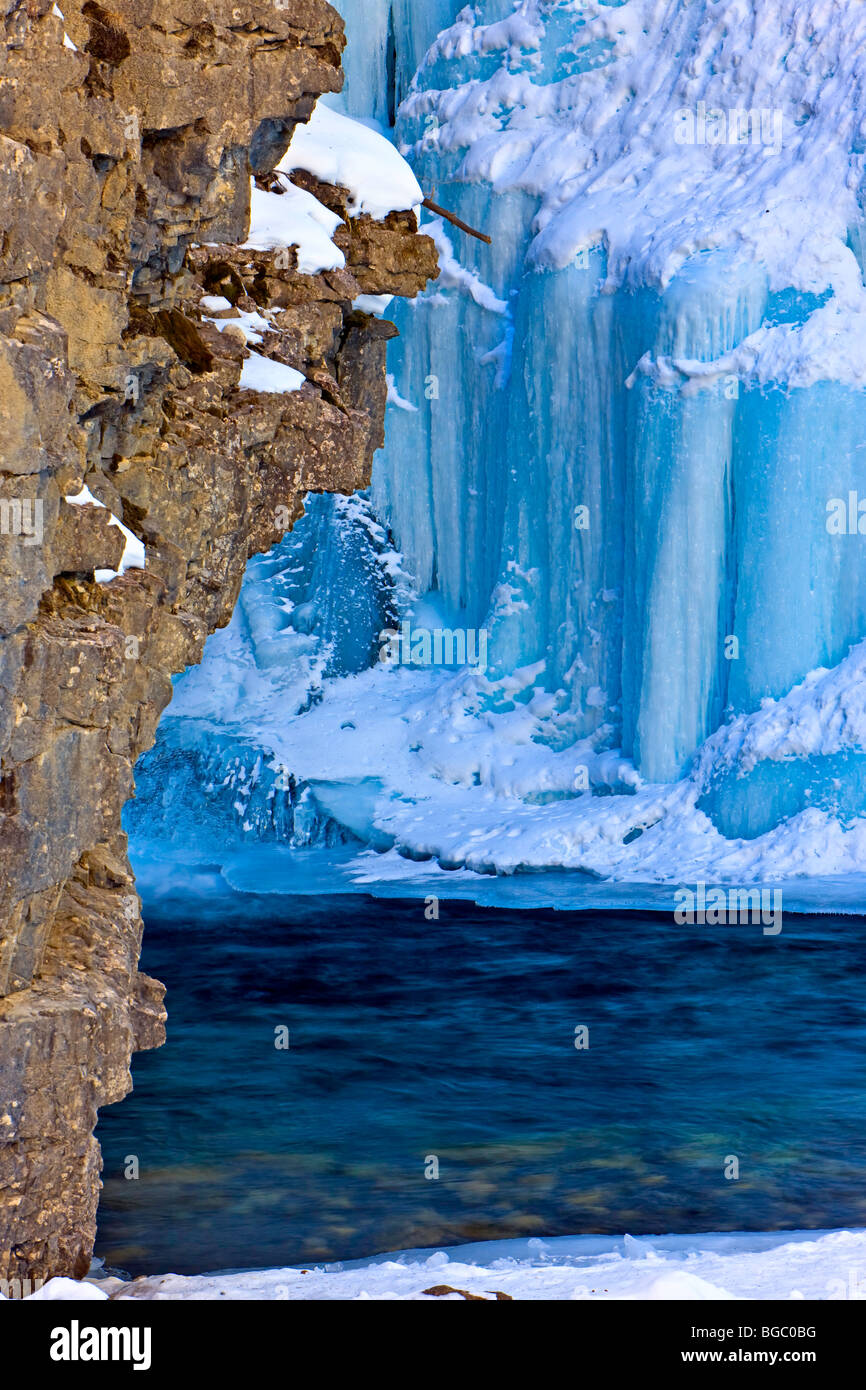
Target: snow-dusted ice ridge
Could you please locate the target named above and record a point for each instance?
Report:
(626, 441)
(779, 1265)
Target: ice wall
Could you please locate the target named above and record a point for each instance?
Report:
(387, 42)
(684, 365)
(310, 612)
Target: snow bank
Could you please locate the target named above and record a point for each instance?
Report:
(467, 771)
(780, 1265)
(822, 715)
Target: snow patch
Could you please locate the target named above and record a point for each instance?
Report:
(263, 374)
(339, 150)
(133, 557)
(295, 218)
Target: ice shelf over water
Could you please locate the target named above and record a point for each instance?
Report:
(626, 446)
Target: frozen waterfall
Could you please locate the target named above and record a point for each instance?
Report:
(627, 443)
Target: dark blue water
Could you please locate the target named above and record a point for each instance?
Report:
(455, 1039)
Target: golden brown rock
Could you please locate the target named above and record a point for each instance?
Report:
(125, 158)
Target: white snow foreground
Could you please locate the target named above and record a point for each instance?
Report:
(776, 1265)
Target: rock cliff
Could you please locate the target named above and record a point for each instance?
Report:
(127, 140)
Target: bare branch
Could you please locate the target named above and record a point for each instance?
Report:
(449, 217)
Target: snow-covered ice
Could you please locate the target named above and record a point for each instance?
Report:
(634, 131)
(778, 1265)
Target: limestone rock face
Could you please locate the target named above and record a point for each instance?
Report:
(127, 139)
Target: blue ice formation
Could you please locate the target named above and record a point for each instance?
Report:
(627, 441)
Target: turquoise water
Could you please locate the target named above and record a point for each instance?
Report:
(454, 1039)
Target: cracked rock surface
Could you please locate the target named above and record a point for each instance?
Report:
(127, 140)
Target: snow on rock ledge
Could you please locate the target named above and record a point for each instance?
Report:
(264, 374)
(336, 150)
(133, 557)
(348, 153)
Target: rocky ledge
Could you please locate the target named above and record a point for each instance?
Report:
(127, 141)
